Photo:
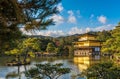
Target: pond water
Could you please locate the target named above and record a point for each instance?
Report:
(77, 65)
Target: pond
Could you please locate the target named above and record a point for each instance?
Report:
(77, 65)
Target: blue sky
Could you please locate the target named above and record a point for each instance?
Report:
(80, 16)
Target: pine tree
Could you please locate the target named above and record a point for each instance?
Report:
(32, 14)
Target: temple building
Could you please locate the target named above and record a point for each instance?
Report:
(87, 45)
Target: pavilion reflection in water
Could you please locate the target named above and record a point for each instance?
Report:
(84, 62)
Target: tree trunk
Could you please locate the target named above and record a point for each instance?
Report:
(25, 57)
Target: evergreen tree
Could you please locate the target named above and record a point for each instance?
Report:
(104, 70)
(32, 14)
(47, 71)
(25, 48)
(50, 48)
(112, 45)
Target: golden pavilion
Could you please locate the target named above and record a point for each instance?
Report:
(87, 45)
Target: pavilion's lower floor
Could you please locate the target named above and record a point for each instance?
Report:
(87, 51)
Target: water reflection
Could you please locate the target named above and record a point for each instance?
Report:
(77, 64)
(13, 75)
(84, 62)
(14, 72)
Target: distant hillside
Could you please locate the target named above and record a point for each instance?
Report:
(101, 35)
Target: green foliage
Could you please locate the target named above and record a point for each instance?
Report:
(14, 52)
(57, 50)
(61, 48)
(8, 37)
(31, 43)
(44, 71)
(25, 45)
(103, 71)
(44, 42)
(50, 48)
(65, 45)
(112, 45)
(71, 51)
(104, 35)
(25, 48)
(10, 12)
(36, 12)
(32, 14)
(10, 15)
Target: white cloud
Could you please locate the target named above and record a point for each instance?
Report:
(104, 27)
(75, 30)
(57, 33)
(102, 19)
(72, 31)
(70, 12)
(58, 19)
(52, 33)
(24, 31)
(87, 29)
(60, 7)
(71, 18)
